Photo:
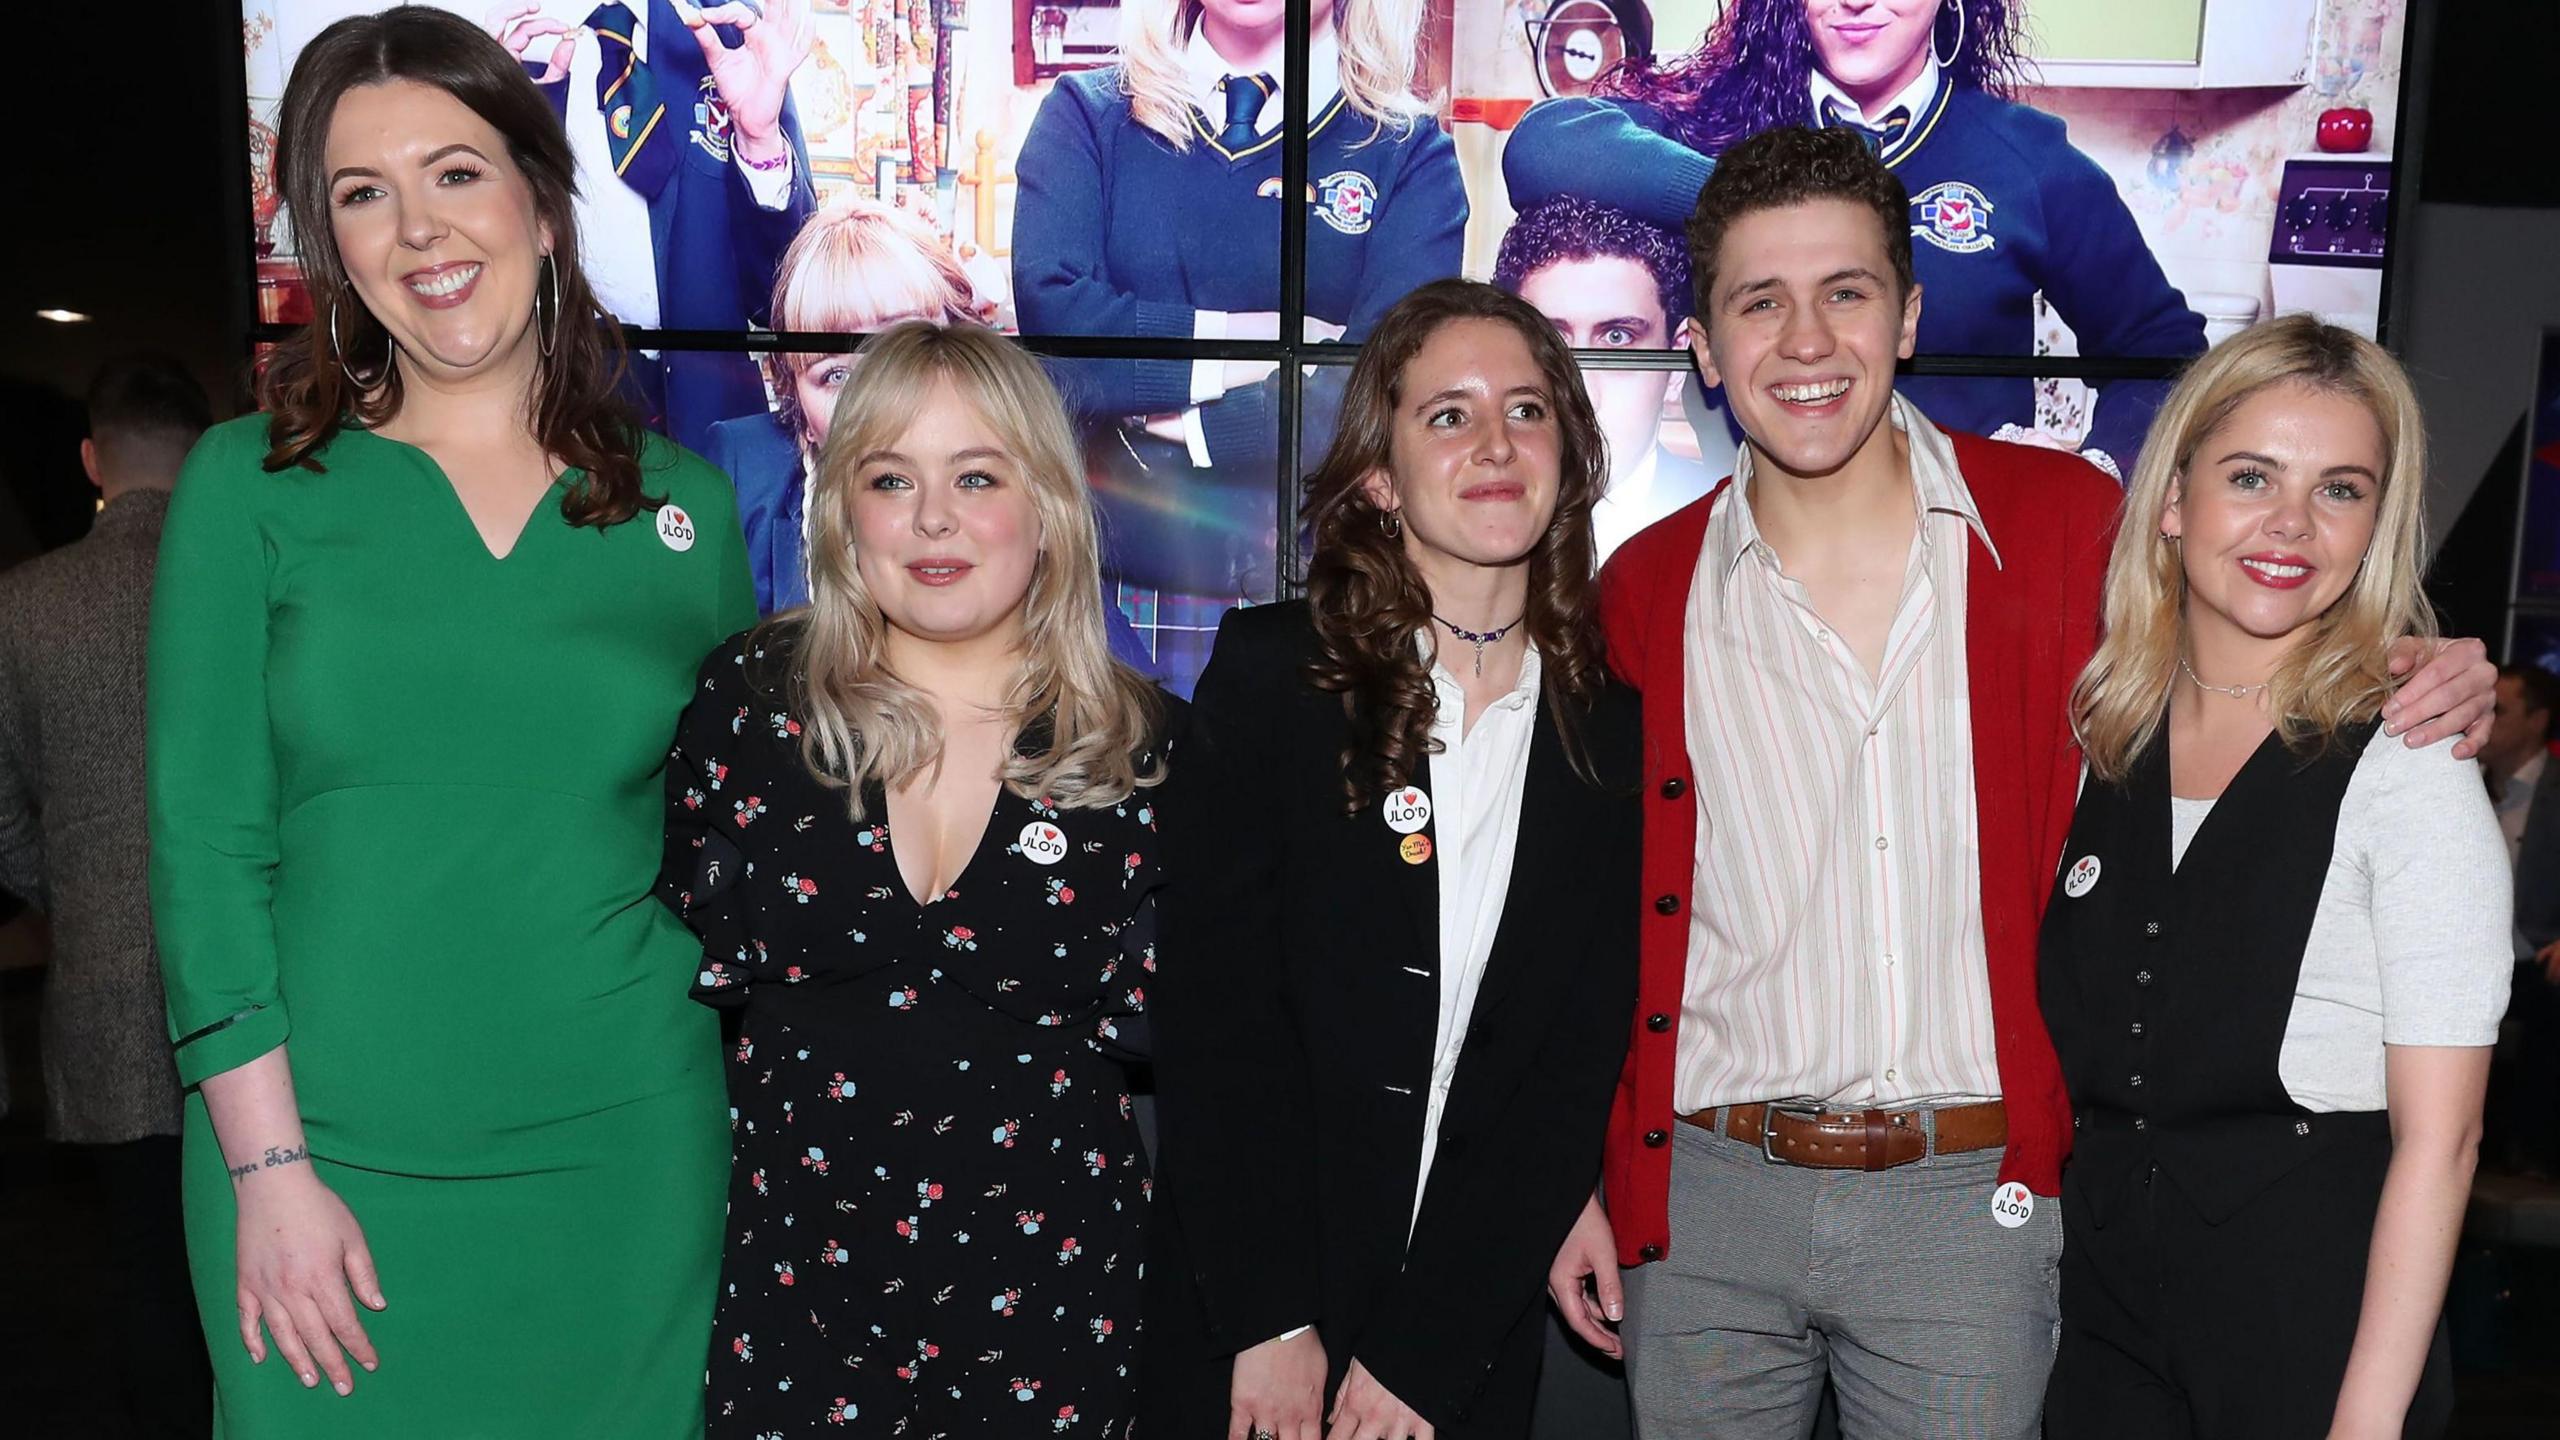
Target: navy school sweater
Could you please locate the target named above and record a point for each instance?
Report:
(1117, 233)
(2002, 206)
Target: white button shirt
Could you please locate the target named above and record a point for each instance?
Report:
(1476, 779)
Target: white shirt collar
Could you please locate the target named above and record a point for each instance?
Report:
(1207, 67)
(1914, 98)
(1522, 692)
(1937, 487)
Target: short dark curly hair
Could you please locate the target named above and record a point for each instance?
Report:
(1792, 165)
(1570, 228)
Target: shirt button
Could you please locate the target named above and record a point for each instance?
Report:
(1649, 1253)
(1666, 905)
(2141, 977)
(1893, 1074)
(1880, 842)
(1888, 959)
(1674, 788)
(1656, 1139)
(1657, 1023)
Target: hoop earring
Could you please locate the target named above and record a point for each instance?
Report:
(338, 348)
(1391, 522)
(1948, 60)
(551, 277)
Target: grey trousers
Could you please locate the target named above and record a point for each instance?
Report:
(1927, 1316)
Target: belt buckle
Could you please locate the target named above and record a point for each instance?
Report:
(1769, 1114)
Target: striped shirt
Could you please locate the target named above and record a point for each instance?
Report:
(1835, 942)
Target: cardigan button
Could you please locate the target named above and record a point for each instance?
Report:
(2150, 929)
(1674, 788)
(1657, 1023)
(2141, 977)
(1656, 1139)
(1649, 1252)
(1666, 905)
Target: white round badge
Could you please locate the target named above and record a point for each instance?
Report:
(1042, 843)
(675, 528)
(2013, 1205)
(2082, 878)
(1407, 810)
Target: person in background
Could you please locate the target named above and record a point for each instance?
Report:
(1612, 282)
(2277, 946)
(2522, 776)
(1150, 206)
(858, 267)
(914, 824)
(692, 175)
(2003, 205)
(73, 842)
(421, 634)
(1400, 936)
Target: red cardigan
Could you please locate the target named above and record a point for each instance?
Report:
(2030, 623)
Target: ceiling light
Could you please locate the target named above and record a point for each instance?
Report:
(63, 317)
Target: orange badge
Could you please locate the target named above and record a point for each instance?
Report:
(1415, 849)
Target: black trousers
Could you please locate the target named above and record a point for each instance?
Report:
(150, 1334)
(2176, 1328)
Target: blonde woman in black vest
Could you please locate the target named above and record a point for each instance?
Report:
(2274, 960)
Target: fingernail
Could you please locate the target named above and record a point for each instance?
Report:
(343, 1388)
(309, 1379)
(1613, 1312)
(371, 1365)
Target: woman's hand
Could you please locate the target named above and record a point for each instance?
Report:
(300, 1252)
(2452, 693)
(1366, 1411)
(1590, 1253)
(1278, 1390)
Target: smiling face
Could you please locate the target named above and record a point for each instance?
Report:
(1475, 450)
(946, 536)
(1871, 48)
(1610, 302)
(435, 227)
(1802, 331)
(2274, 514)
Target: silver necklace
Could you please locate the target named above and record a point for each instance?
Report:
(2236, 692)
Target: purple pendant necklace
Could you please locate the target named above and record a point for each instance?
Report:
(1481, 639)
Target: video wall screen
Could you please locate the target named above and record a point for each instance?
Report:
(2086, 178)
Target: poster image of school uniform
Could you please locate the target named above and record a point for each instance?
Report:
(2221, 978)
(715, 227)
(2002, 206)
(1117, 232)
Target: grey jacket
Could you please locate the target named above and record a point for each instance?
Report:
(73, 624)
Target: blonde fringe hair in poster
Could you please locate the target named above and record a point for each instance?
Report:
(864, 725)
(1377, 39)
(2336, 675)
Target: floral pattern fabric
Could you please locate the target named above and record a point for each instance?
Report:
(938, 1196)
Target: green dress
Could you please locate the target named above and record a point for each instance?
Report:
(405, 817)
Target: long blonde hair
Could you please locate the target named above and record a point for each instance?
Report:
(862, 724)
(1376, 40)
(2337, 674)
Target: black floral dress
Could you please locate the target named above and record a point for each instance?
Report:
(937, 1199)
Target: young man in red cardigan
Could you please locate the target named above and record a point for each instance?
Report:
(1841, 1125)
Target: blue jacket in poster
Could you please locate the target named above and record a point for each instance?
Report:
(1118, 233)
(716, 248)
(2002, 206)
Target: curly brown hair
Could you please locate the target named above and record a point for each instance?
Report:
(1792, 165)
(305, 387)
(1365, 595)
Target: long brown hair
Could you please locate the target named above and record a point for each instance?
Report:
(305, 387)
(1368, 600)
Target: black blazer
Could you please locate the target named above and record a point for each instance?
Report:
(2538, 864)
(1295, 1007)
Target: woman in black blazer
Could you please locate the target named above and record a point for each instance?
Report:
(1400, 938)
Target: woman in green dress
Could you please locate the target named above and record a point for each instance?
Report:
(456, 1140)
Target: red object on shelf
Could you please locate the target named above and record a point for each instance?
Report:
(2345, 131)
(1500, 113)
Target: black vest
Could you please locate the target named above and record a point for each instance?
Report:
(2167, 992)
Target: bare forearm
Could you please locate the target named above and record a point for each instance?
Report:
(2414, 1234)
(256, 1118)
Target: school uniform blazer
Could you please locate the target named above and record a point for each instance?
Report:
(1295, 1010)
(762, 462)
(2031, 621)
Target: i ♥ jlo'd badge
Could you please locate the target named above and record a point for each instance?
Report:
(675, 527)
(1415, 849)
(2081, 878)
(1407, 809)
(1042, 843)
(2013, 1205)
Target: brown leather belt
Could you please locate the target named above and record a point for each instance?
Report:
(1858, 1139)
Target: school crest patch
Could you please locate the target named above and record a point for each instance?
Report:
(711, 122)
(1348, 201)
(1952, 216)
